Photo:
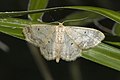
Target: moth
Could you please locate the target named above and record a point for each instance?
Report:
(62, 42)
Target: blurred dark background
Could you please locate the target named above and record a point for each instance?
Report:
(19, 64)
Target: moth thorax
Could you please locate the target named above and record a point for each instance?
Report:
(61, 25)
(59, 34)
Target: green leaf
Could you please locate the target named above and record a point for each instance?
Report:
(13, 26)
(105, 55)
(113, 15)
(81, 18)
(113, 43)
(36, 4)
(116, 29)
(16, 32)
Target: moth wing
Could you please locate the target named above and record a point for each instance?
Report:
(70, 49)
(85, 38)
(42, 36)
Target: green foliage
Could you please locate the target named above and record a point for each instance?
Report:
(116, 29)
(36, 4)
(104, 54)
(13, 26)
(81, 18)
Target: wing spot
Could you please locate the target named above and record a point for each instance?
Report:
(48, 41)
(71, 43)
(38, 29)
(85, 32)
